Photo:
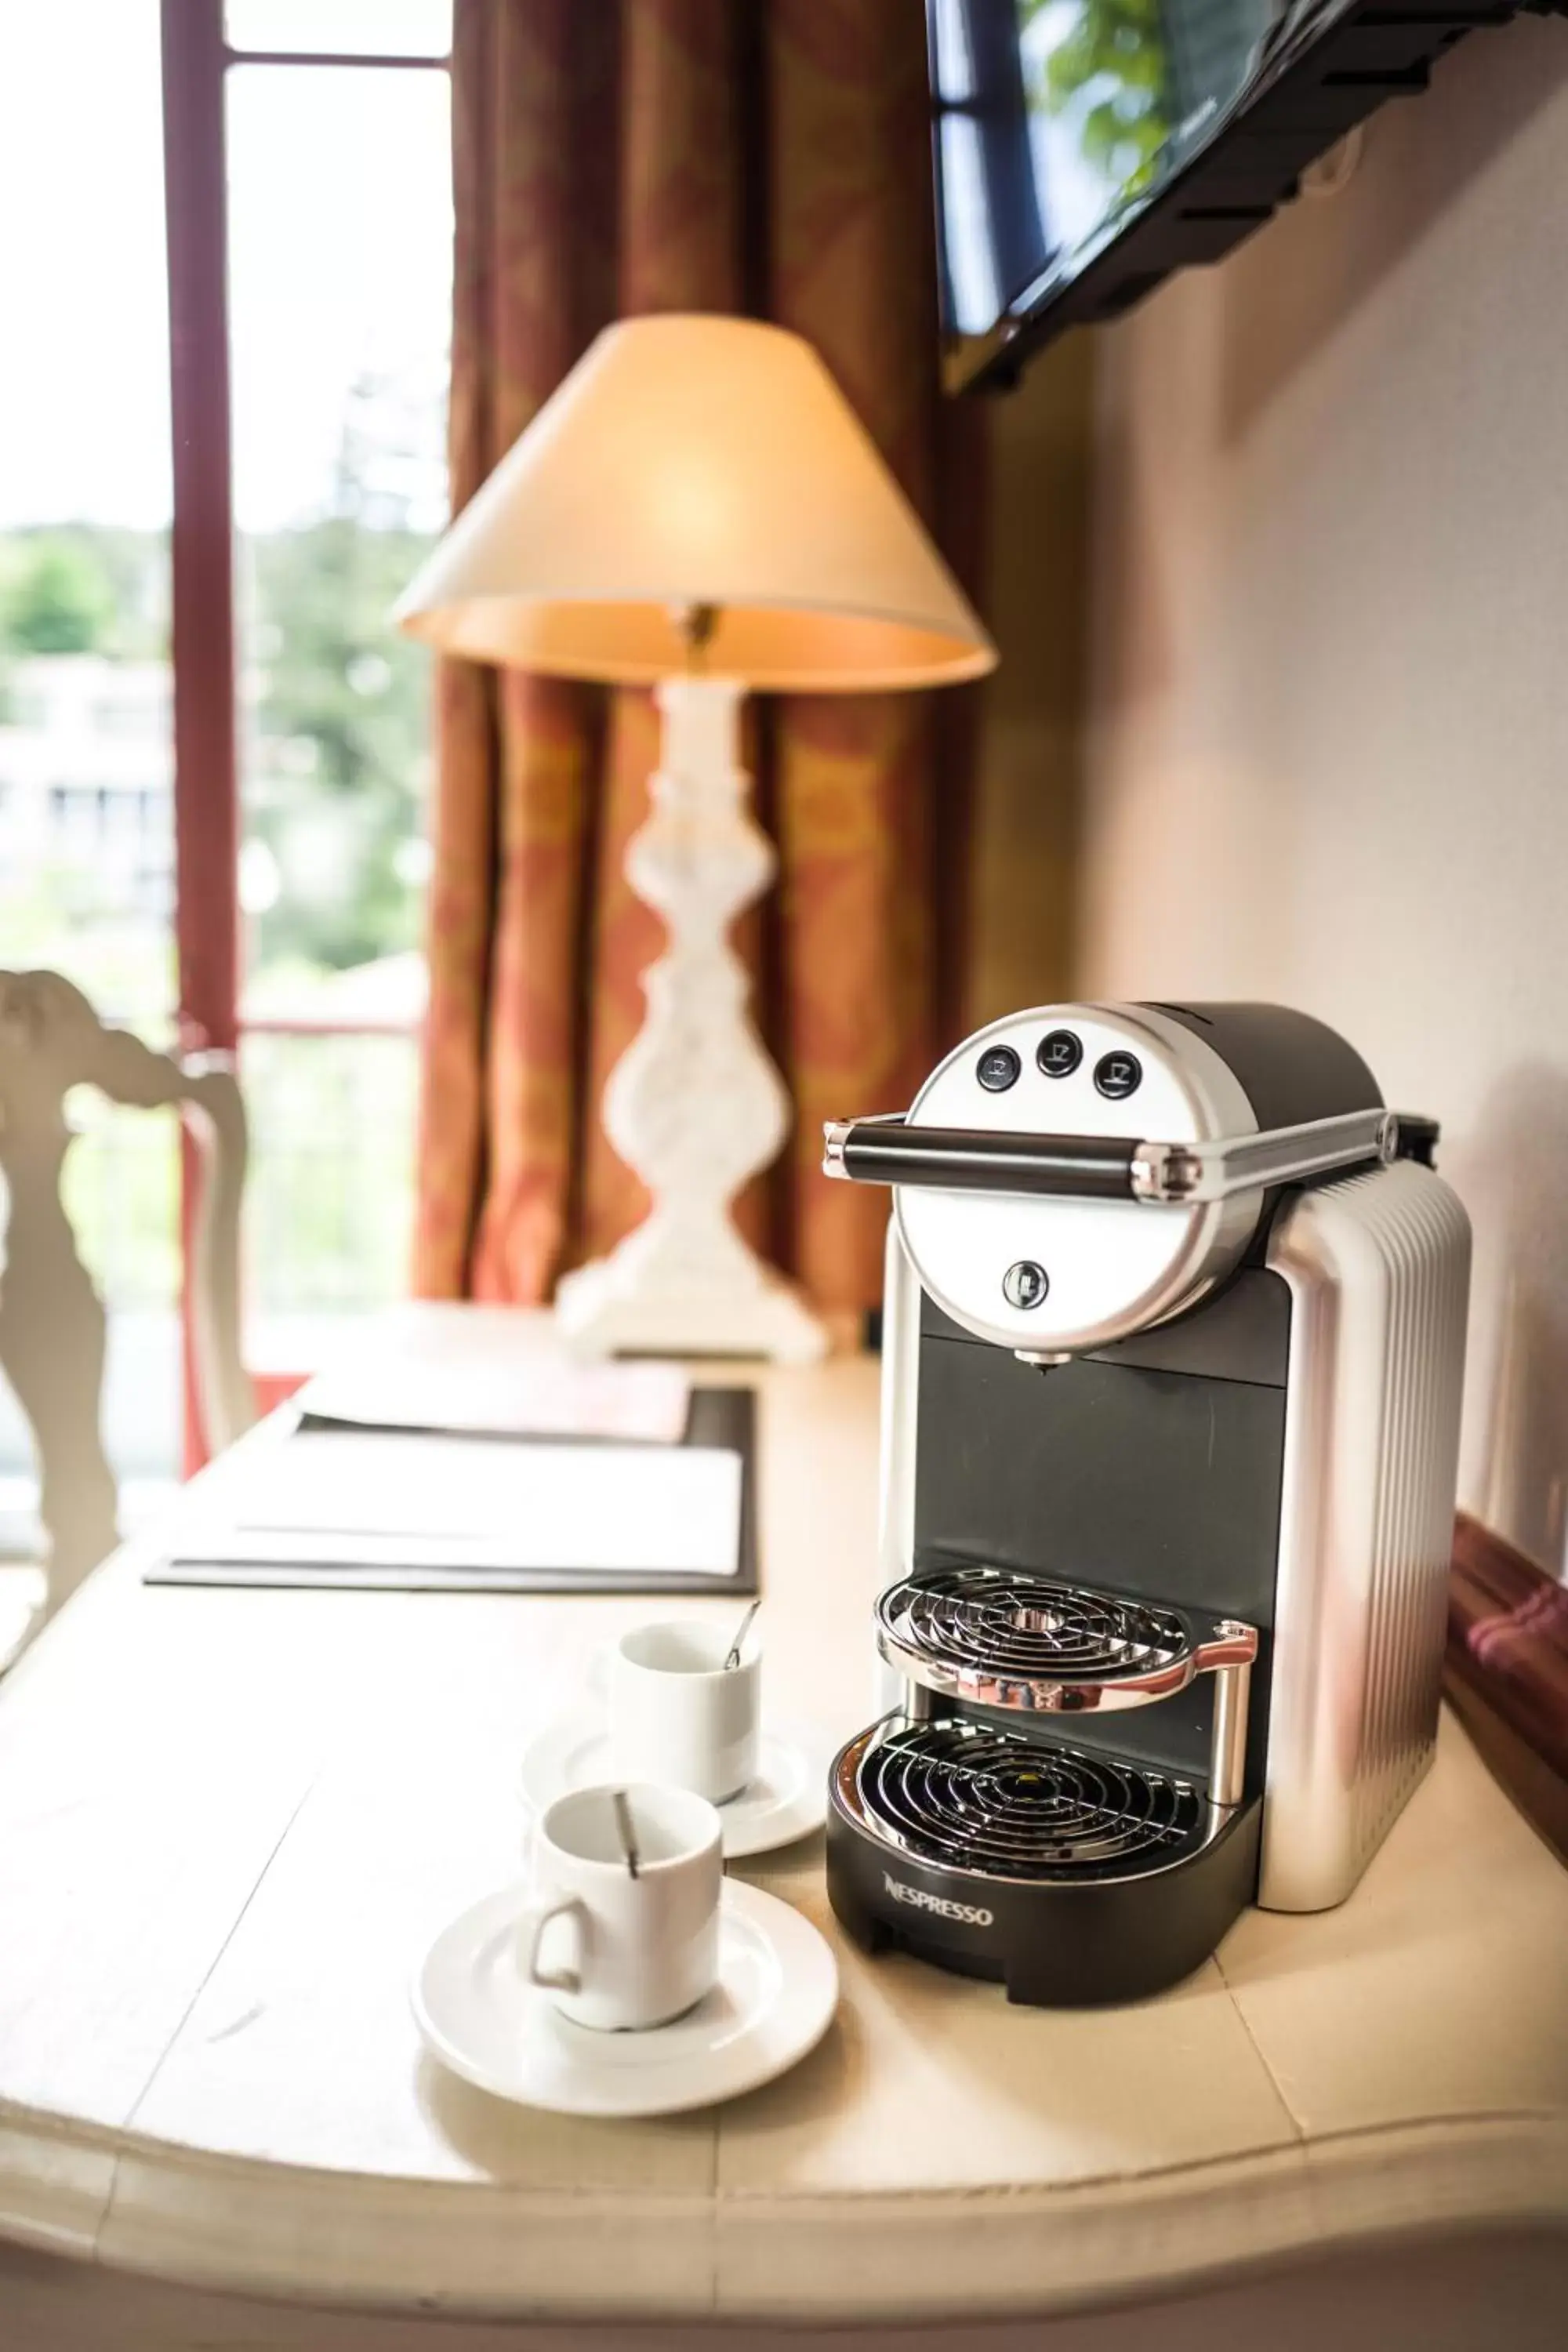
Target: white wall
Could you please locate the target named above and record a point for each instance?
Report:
(1328, 741)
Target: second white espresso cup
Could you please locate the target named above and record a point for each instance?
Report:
(677, 1714)
(618, 1949)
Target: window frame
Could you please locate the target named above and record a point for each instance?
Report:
(196, 58)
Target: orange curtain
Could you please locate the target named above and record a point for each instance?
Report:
(771, 156)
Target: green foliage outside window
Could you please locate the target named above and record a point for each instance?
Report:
(82, 588)
(341, 718)
(58, 600)
(336, 767)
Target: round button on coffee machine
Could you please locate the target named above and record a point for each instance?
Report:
(1118, 1074)
(1058, 1055)
(1025, 1283)
(997, 1069)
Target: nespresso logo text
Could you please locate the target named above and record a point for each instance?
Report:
(968, 1915)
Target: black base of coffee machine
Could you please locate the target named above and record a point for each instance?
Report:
(1072, 1879)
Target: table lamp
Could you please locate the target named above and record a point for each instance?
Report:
(696, 509)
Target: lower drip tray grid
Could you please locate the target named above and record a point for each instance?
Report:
(958, 1795)
(1072, 1879)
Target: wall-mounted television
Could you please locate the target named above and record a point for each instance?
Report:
(1086, 148)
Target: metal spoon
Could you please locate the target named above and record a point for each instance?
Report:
(732, 1654)
(627, 1829)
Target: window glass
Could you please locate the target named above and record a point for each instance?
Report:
(87, 839)
(340, 236)
(384, 28)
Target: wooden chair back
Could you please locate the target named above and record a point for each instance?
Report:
(52, 1322)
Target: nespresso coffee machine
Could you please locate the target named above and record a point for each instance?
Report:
(1174, 1339)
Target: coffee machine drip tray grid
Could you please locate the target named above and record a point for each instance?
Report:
(961, 1796)
(998, 1637)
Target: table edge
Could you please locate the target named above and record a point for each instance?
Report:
(484, 2248)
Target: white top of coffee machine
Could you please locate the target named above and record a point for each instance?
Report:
(1075, 1173)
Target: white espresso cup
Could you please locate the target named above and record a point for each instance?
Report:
(614, 1951)
(677, 1714)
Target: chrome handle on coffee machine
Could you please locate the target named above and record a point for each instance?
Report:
(887, 1151)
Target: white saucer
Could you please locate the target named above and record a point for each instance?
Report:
(788, 1797)
(777, 1990)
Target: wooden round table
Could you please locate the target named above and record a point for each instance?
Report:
(231, 1821)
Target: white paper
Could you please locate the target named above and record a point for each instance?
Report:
(494, 1370)
(362, 1499)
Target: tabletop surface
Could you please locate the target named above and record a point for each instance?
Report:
(230, 1823)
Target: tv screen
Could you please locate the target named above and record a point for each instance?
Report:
(1086, 148)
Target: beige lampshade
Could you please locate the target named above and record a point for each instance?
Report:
(698, 461)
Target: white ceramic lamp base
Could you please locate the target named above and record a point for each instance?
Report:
(695, 1105)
